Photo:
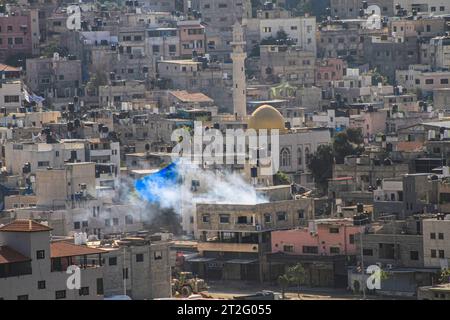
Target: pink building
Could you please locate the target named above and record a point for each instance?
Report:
(192, 37)
(328, 70)
(19, 33)
(323, 237)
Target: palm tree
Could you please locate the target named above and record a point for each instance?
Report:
(297, 275)
(283, 282)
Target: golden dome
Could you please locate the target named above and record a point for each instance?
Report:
(266, 117)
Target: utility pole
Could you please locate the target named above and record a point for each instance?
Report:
(361, 219)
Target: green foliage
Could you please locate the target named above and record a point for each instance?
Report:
(281, 178)
(444, 277)
(321, 166)
(349, 142)
(297, 275)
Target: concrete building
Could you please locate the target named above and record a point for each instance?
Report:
(34, 268)
(349, 9)
(365, 171)
(162, 43)
(12, 96)
(422, 79)
(192, 38)
(287, 63)
(142, 265)
(320, 248)
(219, 17)
(436, 7)
(389, 54)
(397, 248)
(440, 52)
(441, 98)
(41, 155)
(235, 239)
(19, 33)
(56, 79)
(302, 30)
(436, 248)
(329, 70)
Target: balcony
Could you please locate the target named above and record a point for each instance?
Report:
(228, 247)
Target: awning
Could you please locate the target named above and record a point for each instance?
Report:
(241, 261)
(201, 259)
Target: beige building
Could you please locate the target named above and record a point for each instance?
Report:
(34, 268)
(142, 265)
(436, 245)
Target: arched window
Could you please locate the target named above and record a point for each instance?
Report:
(299, 156)
(307, 155)
(285, 156)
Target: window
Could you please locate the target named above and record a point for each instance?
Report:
(205, 218)
(429, 81)
(84, 291)
(267, 218)
(223, 5)
(84, 224)
(11, 99)
(281, 216)
(22, 297)
(367, 252)
(40, 254)
(139, 257)
(172, 48)
(41, 285)
(414, 255)
(224, 218)
(9, 28)
(351, 239)
(300, 153)
(442, 8)
(334, 230)
(125, 273)
(18, 40)
(107, 222)
(335, 250)
(76, 225)
(60, 294)
(155, 49)
(10, 41)
(285, 156)
(444, 81)
(433, 9)
(128, 219)
(100, 286)
(157, 255)
(433, 253)
(288, 248)
(432, 235)
(311, 249)
(242, 220)
(301, 214)
(115, 221)
(441, 254)
(112, 261)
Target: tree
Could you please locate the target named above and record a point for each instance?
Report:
(283, 282)
(444, 276)
(321, 166)
(297, 275)
(281, 178)
(349, 142)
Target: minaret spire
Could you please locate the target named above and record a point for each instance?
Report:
(239, 84)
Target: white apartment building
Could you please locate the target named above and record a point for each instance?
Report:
(301, 29)
(436, 244)
(34, 268)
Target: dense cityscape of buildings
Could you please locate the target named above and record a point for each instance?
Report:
(91, 94)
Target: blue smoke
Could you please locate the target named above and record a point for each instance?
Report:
(149, 188)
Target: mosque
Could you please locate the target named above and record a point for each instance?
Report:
(296, 145)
